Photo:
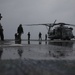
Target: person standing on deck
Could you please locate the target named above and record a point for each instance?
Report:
(45, 37)
(20, 30)
(1, 30)
(28, 36)
(1, 33)
(40, 36)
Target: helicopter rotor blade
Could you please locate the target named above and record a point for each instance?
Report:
(44, 24)
(36, 24)
(70, 24)
(49, 24)
(64, 24)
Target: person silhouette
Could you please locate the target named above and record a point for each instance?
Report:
(28, 37)
(45, 38)
(0, 16)
(1, 33)
(17, 39)
(40, 36)
(20, 30)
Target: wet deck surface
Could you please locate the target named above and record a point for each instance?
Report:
(55, 58)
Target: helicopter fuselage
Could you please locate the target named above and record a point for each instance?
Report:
(61, 32)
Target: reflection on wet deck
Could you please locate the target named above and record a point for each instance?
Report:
(36, 50)
(66, 44)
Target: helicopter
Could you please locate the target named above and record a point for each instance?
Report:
(58, 30)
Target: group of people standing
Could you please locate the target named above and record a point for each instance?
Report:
(20, 32)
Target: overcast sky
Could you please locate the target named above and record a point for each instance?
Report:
(17, 12)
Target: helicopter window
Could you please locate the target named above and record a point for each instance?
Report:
(54, 27)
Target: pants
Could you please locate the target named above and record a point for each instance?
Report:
(2, 36)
